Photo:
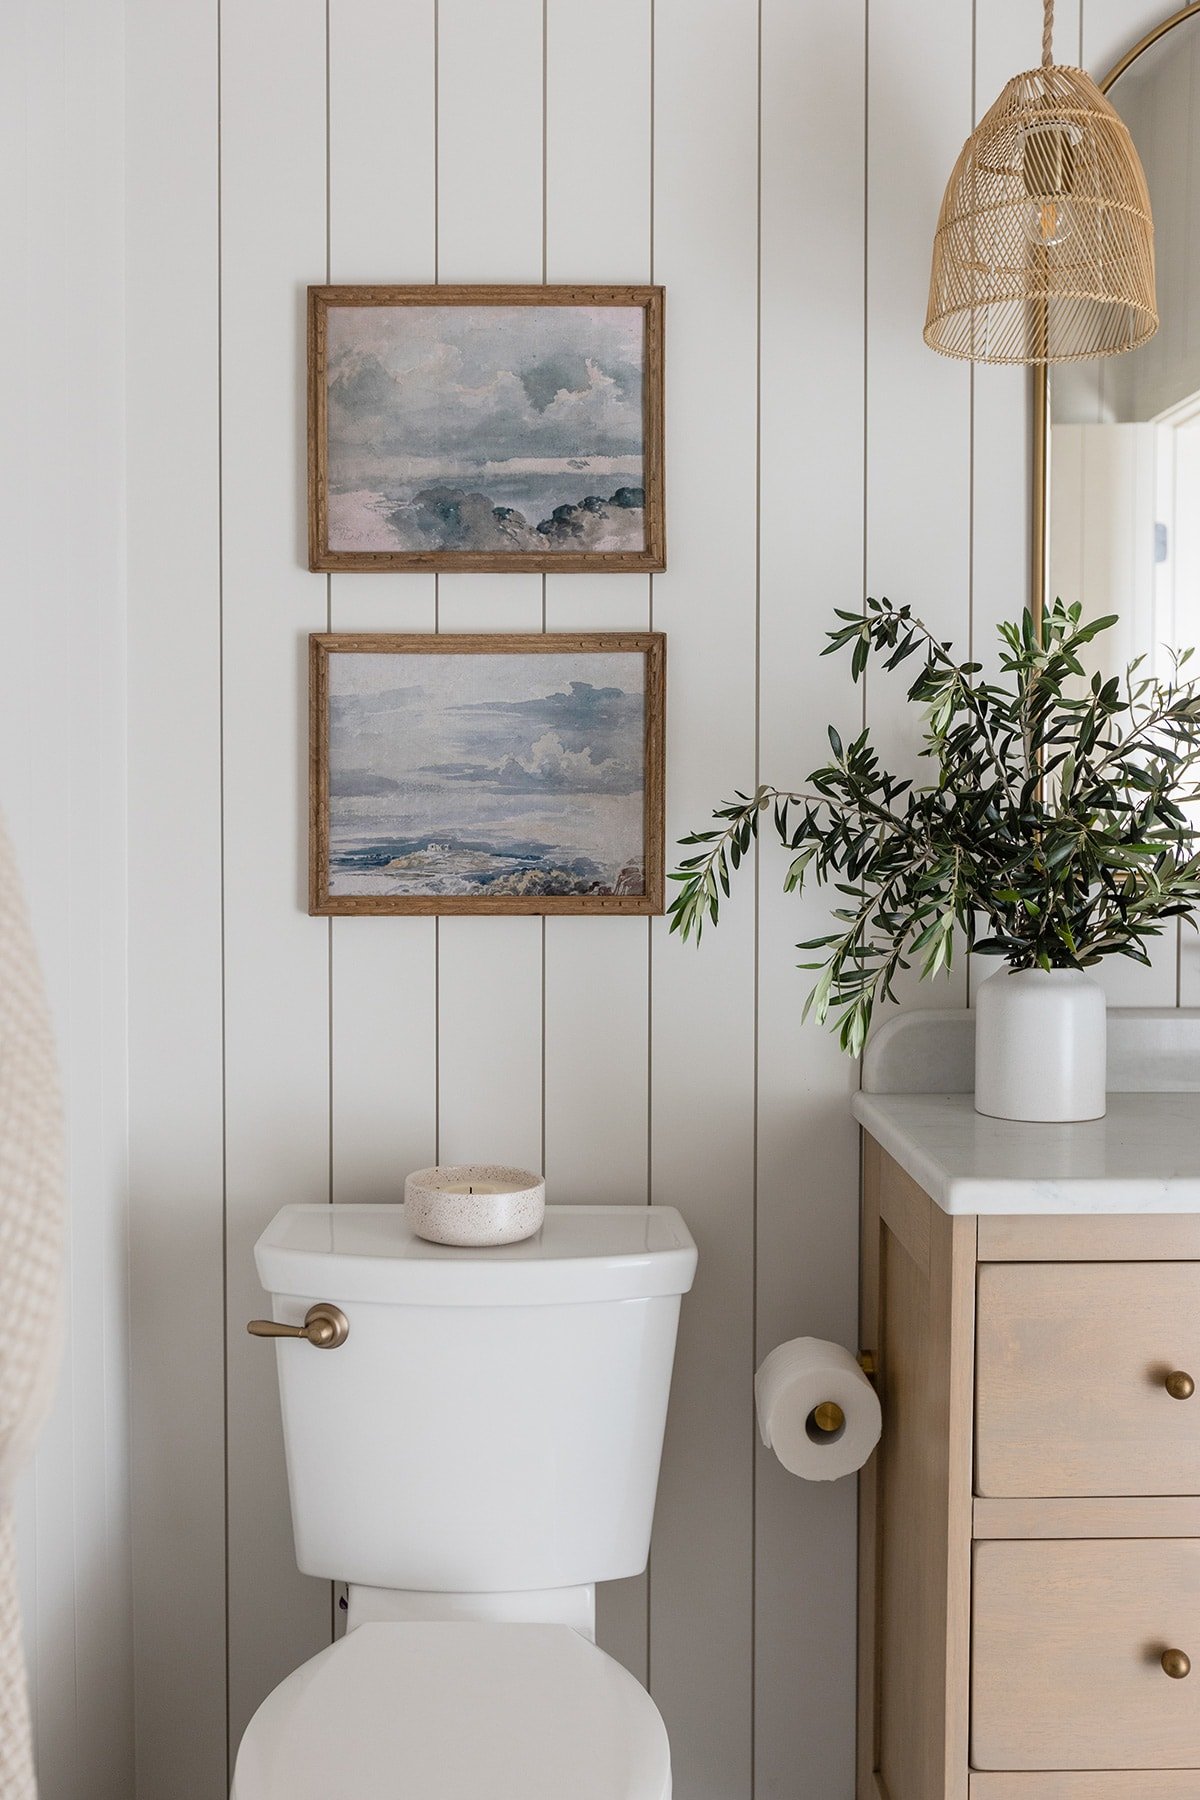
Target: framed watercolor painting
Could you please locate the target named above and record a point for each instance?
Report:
(486, 774)
(487, 428)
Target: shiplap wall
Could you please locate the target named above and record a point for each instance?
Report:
(777, 164)
(62, 792)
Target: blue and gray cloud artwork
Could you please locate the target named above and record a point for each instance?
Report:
(491, 768)
(485, 428)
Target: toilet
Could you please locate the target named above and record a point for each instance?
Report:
(473, 1439)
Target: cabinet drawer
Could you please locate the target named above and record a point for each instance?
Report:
(1066, 1646)
(1071, 1365)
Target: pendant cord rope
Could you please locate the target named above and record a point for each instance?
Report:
(1048, 34)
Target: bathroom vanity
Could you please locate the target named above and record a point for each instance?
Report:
(1029, 1581)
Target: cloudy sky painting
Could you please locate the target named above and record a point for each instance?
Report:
(485, 429)
(486, 774)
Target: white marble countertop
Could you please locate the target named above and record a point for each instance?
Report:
(1142, 1157)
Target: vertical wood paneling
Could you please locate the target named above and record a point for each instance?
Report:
(50, 1631)
(813, 104)
(491, 1018)
(62, 782)
(490, 219)
(918, 412)
(382, 227)
(382, 218)
(273, 171)
(597, 229)
(702, 1045)
(597, 174)
(634, 1066)
(176, 1101)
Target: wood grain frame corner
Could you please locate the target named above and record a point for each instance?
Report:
(650, 644)
(651, 560)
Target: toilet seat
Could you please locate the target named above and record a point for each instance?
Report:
(458, 1711)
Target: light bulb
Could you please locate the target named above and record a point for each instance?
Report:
(1048, 151)
(1046, 223)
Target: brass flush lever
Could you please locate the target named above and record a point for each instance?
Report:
(326, 1327)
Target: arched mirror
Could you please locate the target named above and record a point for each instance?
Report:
(1117, 441)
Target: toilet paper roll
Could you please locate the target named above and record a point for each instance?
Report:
(796, 1379)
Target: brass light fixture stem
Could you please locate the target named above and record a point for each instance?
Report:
(1037, 586)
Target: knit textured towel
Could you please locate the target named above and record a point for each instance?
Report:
(31, 1229)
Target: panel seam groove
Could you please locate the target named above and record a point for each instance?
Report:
(756, 1004)
(220, 271)
(651, 174)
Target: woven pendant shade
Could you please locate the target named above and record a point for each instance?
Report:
(1045, 245)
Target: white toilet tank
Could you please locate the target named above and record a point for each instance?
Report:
(494, 1419)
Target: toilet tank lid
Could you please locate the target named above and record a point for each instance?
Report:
(581, 1253)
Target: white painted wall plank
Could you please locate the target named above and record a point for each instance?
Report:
(490, 213)
(813, 102)
(597, 229)
(598, 156)
(176, 1102)
(382, 219)
(1108, 28)
(62, 694)
(51, 1631)
(491, 1041)
(596, 1060)
(383, 228)
(490, 64)
(384, 1062)
(702, 1045)
(20, 96)
(918, 414)
(276, 957)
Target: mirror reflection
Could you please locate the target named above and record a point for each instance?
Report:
(1124, 444)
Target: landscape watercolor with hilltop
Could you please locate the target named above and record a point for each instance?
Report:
(485, 428)
(502, 773)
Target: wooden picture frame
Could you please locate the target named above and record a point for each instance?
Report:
(525, 748)
(389, 508)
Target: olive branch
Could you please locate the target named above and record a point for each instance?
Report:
(1055, 833)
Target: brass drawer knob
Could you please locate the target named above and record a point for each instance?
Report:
(1179, 1385)
(1176, 1664)
(324, 1326)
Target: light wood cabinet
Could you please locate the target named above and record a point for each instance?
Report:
(1028, 1524)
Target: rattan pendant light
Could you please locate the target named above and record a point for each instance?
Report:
(1045, 245)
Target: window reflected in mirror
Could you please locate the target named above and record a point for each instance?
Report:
(1124, 447)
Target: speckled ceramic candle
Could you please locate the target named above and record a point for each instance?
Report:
(475, 1203)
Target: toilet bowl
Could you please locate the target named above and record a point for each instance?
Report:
(456, 1712)
(472, 1450)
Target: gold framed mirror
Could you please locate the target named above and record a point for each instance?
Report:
(1116, 442)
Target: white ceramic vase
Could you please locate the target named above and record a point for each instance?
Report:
(1040, 1045)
